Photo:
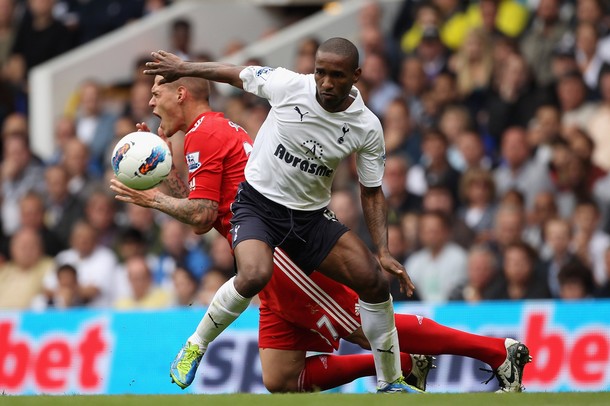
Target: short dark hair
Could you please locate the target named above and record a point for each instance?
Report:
(343, 47)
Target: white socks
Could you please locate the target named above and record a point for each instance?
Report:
(226, 306)
(380, 329)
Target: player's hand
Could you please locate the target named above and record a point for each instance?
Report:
(394, 267)
(142, 127)
(144, 198)
(164, 64)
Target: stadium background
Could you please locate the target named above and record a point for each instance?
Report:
(105, 351)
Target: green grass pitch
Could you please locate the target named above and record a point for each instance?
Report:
(320, 399)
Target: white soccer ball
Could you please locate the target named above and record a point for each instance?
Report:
(141, 160)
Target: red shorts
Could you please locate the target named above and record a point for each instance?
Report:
(300, 312)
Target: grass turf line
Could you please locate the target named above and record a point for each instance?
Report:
(453, 399)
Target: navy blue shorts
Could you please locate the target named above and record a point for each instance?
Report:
(306, 236)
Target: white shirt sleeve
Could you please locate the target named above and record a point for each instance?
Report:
(370, 160)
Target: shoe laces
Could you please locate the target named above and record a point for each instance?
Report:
(494, 374)
(191, 353)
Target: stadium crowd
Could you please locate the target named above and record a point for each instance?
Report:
(497, 177)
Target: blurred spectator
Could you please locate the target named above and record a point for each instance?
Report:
(63, 209)
(75, 162)
(482, 268)
(583, 147)
(576, 111)
(186, 286)
(590, 241)
(544, 31)
(440, 265)
(144, 220)
(180, 39)
(305, 55)
(31, 215)
(473, 65)
(509, 226)
(599, 122)
(593, 12)
(130, 243)
(145, 294)
(432, 52)
(382, 89)
(588, 60)
(603, 290)
(398, 198)
(544, 209)
(413, 80)
(65, 130)
(518, 170)
(21, 279)
(8, 30)
(137, 108)
(94, 123)
(454, 120)
(210, 283)
(344, 204)
(440, 198)
(98, 17)
(400, 134)
(575, 281)
(520, 281)
(399, 249)
(100, 212)
(557, 238)
(412, 18)
(94, 263)
(221, 255)
(542, 129)
(471, 151)
(20, 173)
(512, 99)
(39, 37)
(433, 169)
(178, 251)
(67, 292)
(477, 211)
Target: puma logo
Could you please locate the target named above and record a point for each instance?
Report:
(298, 110)
(389, 350)
(217, 325)
(345, 130)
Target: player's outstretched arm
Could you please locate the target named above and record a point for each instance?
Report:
(375, 211)
(171, 67)
(200, 214)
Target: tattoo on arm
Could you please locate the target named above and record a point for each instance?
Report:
(375, 212)
(198, 213)
(177, 187)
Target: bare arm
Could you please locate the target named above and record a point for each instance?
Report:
(200, 214)
(375, 212)
(171, 67)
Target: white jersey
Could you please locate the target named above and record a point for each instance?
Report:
(300, 145)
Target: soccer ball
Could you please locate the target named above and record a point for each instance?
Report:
(141, 160)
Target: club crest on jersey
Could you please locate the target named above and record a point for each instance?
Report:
(192, 161)
(345, 130)
(264, 72)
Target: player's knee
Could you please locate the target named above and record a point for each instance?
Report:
(279, 384)
(373, 286)
(250, 280)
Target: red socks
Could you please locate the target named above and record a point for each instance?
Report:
(323, 372)
(420, 335)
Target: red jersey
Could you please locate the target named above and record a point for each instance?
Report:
(216, 151)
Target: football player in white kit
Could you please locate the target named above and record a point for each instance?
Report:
(315, 121)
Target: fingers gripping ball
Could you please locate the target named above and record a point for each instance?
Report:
(141, 160)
